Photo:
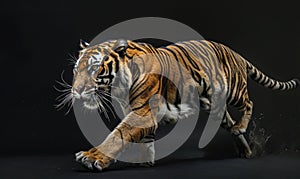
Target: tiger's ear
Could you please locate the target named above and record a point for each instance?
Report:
(83, 44)
(120, 47)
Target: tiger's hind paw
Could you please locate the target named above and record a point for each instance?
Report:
(238, 129)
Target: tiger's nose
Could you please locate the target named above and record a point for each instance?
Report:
(78, 90)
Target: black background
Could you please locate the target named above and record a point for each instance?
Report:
(38, 36)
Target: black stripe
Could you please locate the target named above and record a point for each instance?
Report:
(141, 106)
(273, 85)
(179, 66)
(191, 60)
(280, 85)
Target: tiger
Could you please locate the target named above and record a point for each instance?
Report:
(205, 66)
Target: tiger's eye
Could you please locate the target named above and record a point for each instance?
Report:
(94, 67)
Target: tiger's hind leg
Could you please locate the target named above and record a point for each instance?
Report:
(240, 127)
(240, 141)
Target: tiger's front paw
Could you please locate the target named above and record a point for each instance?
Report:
(93, 160)
(147, 164)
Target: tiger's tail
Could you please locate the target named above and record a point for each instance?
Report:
(268, 82)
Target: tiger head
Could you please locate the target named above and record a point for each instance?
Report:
(95, 71)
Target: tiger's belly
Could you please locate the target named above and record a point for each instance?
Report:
(170, 113)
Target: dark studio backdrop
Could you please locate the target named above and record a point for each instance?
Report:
(38, 36)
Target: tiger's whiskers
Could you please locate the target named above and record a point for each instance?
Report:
(66, 98)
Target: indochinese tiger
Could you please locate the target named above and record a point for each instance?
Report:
(171, 72)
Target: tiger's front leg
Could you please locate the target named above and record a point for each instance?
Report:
(147, 151)
(135, 127)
